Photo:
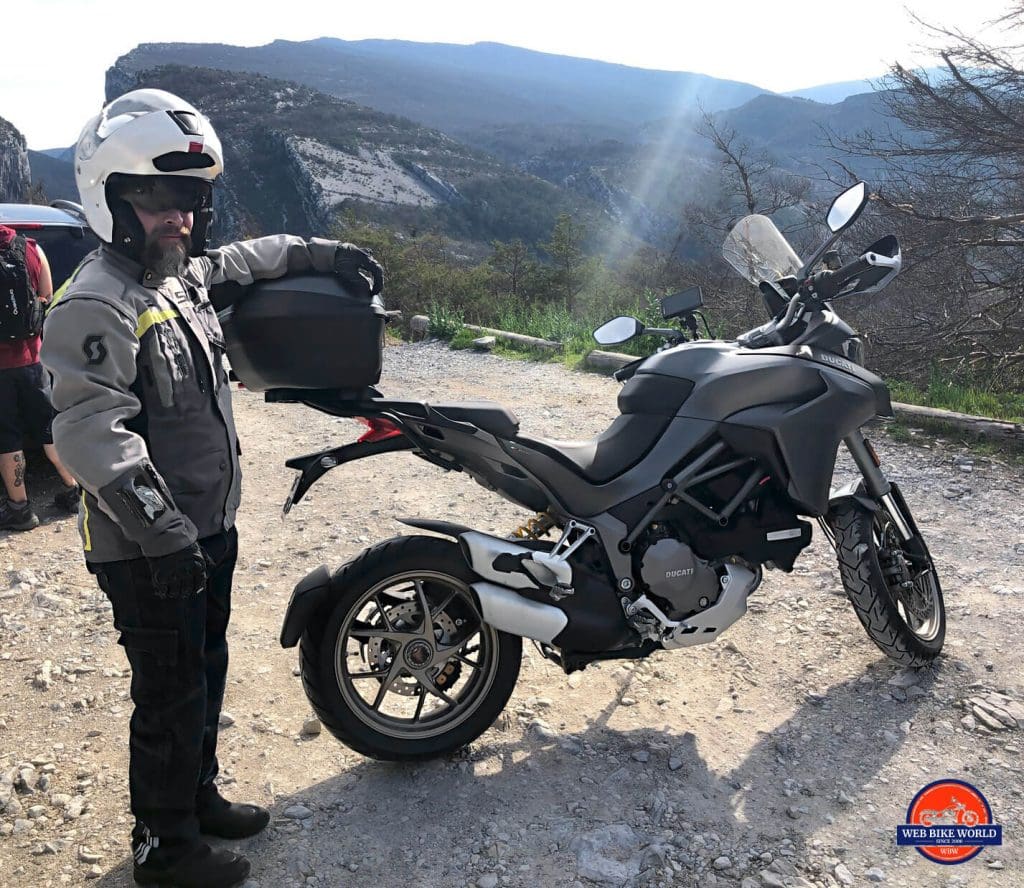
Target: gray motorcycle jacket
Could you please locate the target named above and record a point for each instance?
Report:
(143, 404)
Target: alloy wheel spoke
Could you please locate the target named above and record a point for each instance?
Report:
(427, 629)
(440, 608)
(393, 673)
(426, 682)
(365, 631)
(419, 704)
(467, 661)
(383, 614)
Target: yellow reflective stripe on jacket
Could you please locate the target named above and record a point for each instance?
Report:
(150, 317)
(62, 289)
(85, 524)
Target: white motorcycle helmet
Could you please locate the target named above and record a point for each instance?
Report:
(145, 133)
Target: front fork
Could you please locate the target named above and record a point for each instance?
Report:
(880, 490)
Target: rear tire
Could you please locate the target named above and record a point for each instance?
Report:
(908, 624)
(381, 595)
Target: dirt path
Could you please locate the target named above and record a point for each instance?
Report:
(784, 754)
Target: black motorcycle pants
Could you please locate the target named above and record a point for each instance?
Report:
(178, 652)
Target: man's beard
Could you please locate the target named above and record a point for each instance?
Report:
(167, 258)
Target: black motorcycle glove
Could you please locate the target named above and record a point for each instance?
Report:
(180, 574)
(357, 268)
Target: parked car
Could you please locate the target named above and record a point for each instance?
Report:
(60, 229)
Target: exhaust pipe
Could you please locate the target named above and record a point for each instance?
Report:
(505, 610)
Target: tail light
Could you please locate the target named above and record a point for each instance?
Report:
(377, 429)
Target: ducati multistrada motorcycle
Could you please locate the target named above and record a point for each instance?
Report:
(649, 537)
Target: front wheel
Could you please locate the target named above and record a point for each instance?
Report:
(401, 666)
(895, 591)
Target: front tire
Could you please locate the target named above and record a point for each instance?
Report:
(392, 685)
(899, 604)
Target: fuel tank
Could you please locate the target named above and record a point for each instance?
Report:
(788, 406)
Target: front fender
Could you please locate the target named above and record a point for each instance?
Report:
(852, 491)
(307, 597)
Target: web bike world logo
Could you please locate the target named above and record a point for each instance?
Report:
(949, 822)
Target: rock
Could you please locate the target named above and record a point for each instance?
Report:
(627, 701)
(94, 872)
(905, 678)
(226, 720)
(722, 863)
(641, 755)
(608, 855)
(969, 723)
(297, 812)
(542, 729)
(311, 727)
(22, 826)
(484, 343)
(36, 811)
(750, 882)
(87, 856)
(44, 677)
(875, 874)
(996, 865)
(27, 780)
(843, 874)
(675, 762)
(488, 880)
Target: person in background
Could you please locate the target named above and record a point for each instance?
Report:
(144, 423)
(25, 410)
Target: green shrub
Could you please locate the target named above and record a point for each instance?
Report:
(445, 322)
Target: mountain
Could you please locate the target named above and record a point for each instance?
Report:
(793, 131)
(296, 159)
(15, 177)
(830, 93)
(55, 175)
(466, 91)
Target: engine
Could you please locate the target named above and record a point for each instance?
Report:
(676, 575)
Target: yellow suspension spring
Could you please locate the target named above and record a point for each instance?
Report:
(535, 528)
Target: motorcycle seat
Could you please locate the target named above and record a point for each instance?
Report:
(616, 450)
(488, 416)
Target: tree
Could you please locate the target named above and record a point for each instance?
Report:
(569, 262)
(512, 261)
(954, 191)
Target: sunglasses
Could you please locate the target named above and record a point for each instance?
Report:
(163, 196)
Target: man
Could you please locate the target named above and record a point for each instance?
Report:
(144, 423)
(25, 394)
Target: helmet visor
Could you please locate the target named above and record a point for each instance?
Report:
(158, 194)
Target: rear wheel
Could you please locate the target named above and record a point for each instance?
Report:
(402, 665)
(895, 593)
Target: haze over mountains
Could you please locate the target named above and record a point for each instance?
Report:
(504, 136)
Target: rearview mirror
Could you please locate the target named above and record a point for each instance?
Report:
(682, 303)
(618, 330)
(847, 207)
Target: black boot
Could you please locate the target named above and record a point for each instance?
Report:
(17, 516)
(227, 820)
(192, 865)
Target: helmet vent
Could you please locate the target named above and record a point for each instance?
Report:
(188, 122)
(176, 161)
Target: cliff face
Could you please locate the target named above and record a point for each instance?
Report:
(15, 175)
(297, 160)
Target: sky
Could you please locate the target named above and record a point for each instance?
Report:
(52, 79)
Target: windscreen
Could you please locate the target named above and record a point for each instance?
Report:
(759, 252)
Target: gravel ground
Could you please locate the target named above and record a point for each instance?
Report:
(783, 755)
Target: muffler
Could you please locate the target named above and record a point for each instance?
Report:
(509, 611)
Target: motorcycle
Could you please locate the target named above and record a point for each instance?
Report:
(957, 814)
(663, 523)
